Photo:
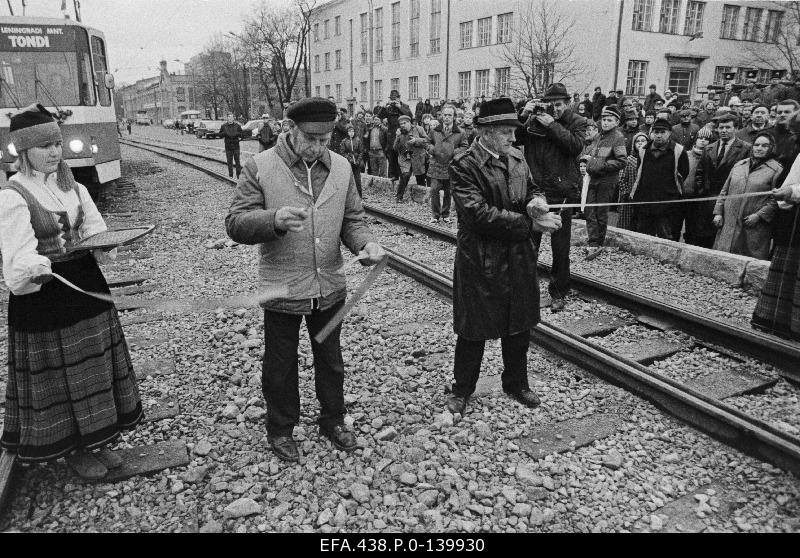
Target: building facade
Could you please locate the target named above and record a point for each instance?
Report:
(163, 97)
(461, 49)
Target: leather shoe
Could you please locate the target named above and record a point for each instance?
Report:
(525, 397)
(456, 404)
(341, 438)
(285, 447)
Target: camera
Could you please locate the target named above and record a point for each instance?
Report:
(543, 108)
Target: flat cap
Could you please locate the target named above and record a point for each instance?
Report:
(313, 115)
(661, 124)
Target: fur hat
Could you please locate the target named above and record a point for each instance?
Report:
(313, 115)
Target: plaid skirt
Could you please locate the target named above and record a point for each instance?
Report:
(72, 386)
(778, 308)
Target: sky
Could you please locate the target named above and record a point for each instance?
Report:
(140, 33)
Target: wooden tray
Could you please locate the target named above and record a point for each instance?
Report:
(112, 238)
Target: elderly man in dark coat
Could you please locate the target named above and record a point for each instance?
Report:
(495, 288)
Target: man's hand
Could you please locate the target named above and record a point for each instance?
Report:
(784, 193)
(718, 221)
(544, 119)
(537, 207)
(290, 219)
(547, 223)
(41, 274)
(529, 106)
(372, 253)
(751, 220)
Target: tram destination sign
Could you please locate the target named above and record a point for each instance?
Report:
(37, 38)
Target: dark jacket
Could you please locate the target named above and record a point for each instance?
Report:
(382, 136)
(232, 133)
(442, 148)
(338, 134)
(495, 288)
(392, 114)
(353, 150)
(266, 137)
(598, 102)
(411, 158)
(553, 158)
(709, 177)
(609, 156)
(748, 133)
(685, 135)
(650, 101)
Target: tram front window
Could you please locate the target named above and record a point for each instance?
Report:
(47, 77)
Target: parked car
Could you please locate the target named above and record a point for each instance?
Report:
(251, 129)
(208, 129)
(168, 123)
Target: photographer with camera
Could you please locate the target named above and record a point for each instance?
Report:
(553, 137)
(392, 112)
(410, 147)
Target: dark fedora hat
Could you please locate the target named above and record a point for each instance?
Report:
(498, 112)
(556, 91)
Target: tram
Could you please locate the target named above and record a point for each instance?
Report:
(64, 65)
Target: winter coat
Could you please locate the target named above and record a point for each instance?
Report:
(553, 158)
(734, 237)
(392, 114)
(650, 101)
(495, 287)
(338, 134)
(709, 178)
(382, 136)
(689, 188)
(608, 157)
(411, 158)
(598, 102)
(748, 133)
(685, 135)
(442, 148)
(266, 137)
(353, 150)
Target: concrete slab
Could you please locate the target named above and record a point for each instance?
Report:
(656, 323)
(145, 343)
(166, 407)
(131, 290)
(730, 383)
(569, 435)
(154, 367)
(144, 460)
(595, 325)
(687, 514)
(722, 266)
(646, 351)
(755, 274)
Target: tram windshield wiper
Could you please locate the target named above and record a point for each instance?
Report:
(11, 95)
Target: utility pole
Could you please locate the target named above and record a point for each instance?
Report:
(371, 61)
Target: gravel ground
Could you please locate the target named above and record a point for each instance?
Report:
(417, 469)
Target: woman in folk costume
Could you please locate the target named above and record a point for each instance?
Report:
(627, 178)
(745, 224)
(71, 387)
(778, 308)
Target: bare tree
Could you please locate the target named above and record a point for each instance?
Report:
(543, 51)
(783, 40)
(222, 78)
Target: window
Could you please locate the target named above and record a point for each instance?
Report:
(363, 91)
(680, 81)
(485, 31)
(317, 92)
(433, 86)
(465, 32)
(752, 22)
(327, 91)
(316, 32)
(337, 26)
(338, 59)
(180, 94)
(481, 82)
(642, 15)
(100, 69)
(669, 16)
(694, 18)
(719, 73)
(379, 89)
(394, 84)
(502, 82)
(395, 30)
(464, 84)
(773, 28)
(378, 38)
(338, 92)
(327, 29)
(730, 20)
(741, 75)
(763, 75)
(436, 26)
(316, 63)
(504, 26)
(327, 61)
(364, 39)
(637, 74)
(414, 29)
(413, 87)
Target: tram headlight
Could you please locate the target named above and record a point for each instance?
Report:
(76, 146)
(95, 149)
(12, 150)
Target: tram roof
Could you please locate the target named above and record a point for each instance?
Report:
(54, 21)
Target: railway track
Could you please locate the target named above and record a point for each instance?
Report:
(708, 414)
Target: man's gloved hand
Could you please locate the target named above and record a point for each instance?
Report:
(547, 223)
